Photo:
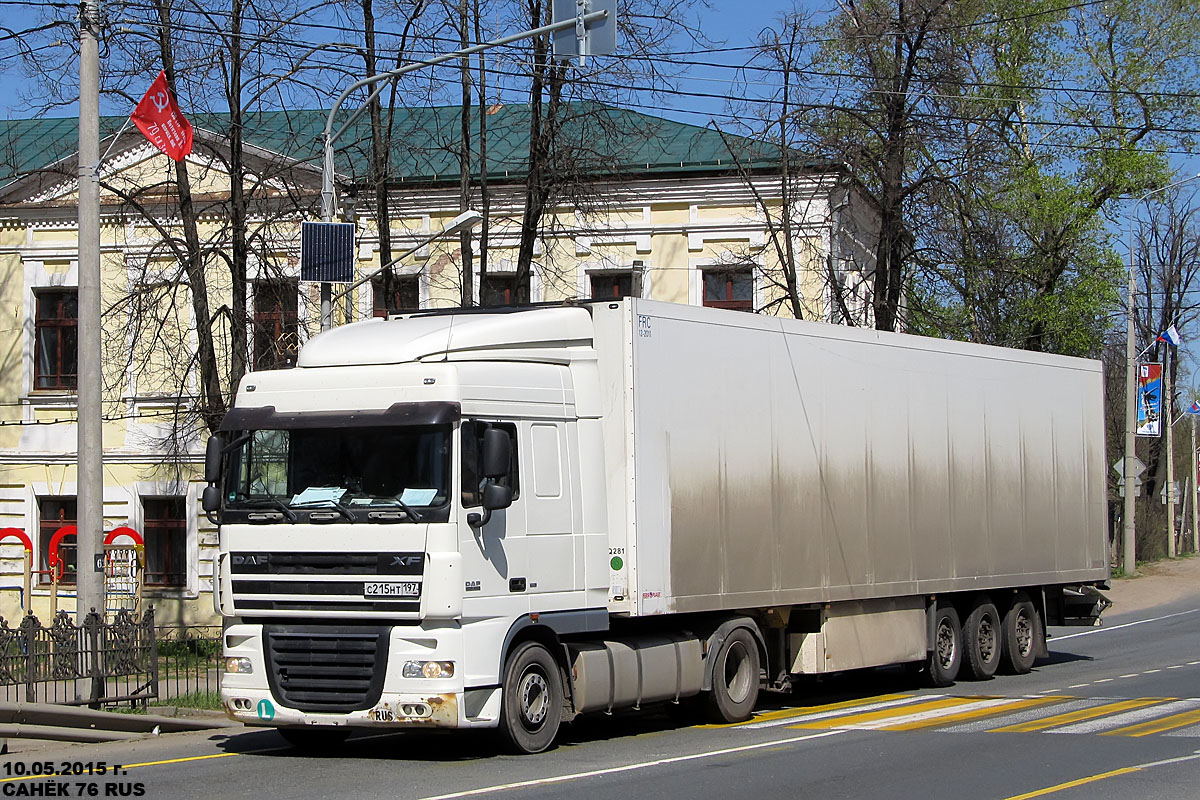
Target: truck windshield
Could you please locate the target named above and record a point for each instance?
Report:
(353, 467)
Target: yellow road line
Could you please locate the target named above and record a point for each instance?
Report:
(123, 766)
(784, 713)
(1078, 716)
(962, 716)
(1157, 725)
(1074, 783)
(874, 716)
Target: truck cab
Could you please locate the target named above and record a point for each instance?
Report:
(396, 509)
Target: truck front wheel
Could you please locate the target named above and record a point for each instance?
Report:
(734, 679)
(532, 704)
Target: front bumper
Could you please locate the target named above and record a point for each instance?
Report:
(402, 702)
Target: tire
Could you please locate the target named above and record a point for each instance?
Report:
(945, 656)
(531, 708)
(734, 679)
(313, 739)
(1022, 637)
(982, 639)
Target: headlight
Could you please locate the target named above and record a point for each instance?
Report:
(239, 665)
(428, 669)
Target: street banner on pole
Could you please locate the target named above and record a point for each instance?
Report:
(1149, 408)
(158, 117)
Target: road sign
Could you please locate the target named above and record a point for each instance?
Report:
(1175, 493)
(594, 38)
(1138, 467)
(1137, 487)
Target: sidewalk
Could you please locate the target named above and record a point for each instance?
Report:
(1157, 583)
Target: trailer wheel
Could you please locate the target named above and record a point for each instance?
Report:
(532, 702)
(1022, 635)
(734, 679)
(946, 656)
(314, 739)
(982, 640)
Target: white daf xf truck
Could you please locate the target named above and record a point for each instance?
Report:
(508, 518)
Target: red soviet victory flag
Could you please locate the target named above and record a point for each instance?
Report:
(159, 118)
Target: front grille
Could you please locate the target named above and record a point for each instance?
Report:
(388, 606)
(326, 669)
(296, 582)
(269, 563)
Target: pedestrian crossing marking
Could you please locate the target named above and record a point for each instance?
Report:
(1006, 706)
(784, 716)
(1032, 713)
(868, 718)
(1078, 716)
(1158, 725)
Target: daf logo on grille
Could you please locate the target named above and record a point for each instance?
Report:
(405, 561)
(251, 559)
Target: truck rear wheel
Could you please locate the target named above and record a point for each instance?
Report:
(981, 640)
(1022, 635)
(945, 658)
(734, 679)
(532, 704)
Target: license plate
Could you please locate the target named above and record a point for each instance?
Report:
(391, 589)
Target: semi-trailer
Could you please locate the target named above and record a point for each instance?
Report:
(504, 518)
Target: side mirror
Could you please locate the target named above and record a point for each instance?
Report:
(211, 499)
(212, 459)
(497, 453)
(496, 497)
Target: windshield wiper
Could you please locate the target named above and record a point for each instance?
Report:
(271, 500)
(405, 507)
(327, 503)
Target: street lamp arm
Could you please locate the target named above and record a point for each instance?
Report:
(464, 221)
(331, 137)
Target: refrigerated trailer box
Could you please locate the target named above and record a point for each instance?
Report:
(513, 516)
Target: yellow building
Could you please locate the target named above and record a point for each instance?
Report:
(653, 208)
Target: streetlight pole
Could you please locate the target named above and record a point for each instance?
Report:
(1129, 560)
(89, 586)
(328, 197)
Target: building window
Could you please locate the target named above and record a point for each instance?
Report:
(56, 338)
(405, 294)
(498, 289)
(615, 285)
(276, 329)
(55, 512)
(165, 533)
(729, 288)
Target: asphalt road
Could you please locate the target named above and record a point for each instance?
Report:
(1114, 713)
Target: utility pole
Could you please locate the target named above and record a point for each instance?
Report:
(90, 447)
(1129, 538)
(1166, 403)
(1195, 495)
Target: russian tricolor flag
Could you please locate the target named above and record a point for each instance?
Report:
(1170, 336)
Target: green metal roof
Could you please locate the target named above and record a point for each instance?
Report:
(596, 140)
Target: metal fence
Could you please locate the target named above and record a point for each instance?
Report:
(125, 660)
